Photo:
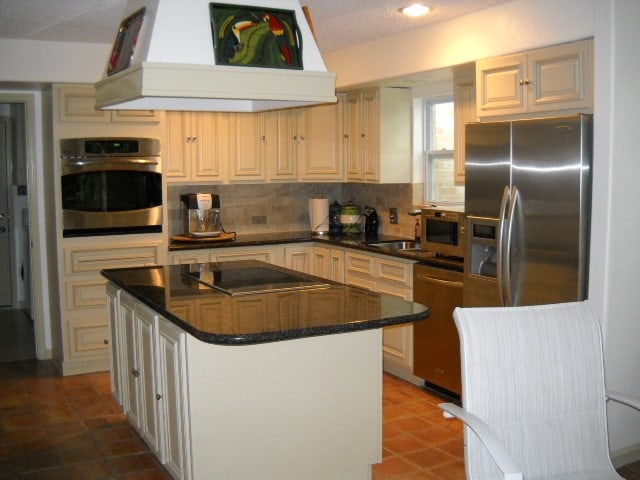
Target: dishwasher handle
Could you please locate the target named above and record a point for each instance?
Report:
(437, 281)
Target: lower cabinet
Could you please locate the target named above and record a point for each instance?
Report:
(252, 411)
(328, 262)
(392, 276)
(149, 378)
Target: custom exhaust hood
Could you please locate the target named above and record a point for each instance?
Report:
(214, 56)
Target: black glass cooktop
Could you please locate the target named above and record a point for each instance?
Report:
(250, 277)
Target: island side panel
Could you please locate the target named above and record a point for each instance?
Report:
(309, 408)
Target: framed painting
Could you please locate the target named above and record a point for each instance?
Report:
(125, 42)
(255, 37)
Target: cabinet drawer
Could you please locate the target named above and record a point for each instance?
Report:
(394, 271)
(93, 260)
(88, 337)
(359, 265)
(86, 294)
(264, 255)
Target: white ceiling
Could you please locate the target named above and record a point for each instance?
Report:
(337, 23)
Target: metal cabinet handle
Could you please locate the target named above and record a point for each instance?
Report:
(158, 396)
(135, 372)
(4, 216)
(526, 81)
(105, 341)
(301, 137)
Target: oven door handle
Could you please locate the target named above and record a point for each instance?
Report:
(116, 161)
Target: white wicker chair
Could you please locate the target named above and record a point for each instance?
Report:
(533, 393)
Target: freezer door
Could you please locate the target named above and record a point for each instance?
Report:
(549, 211)
(487, 167)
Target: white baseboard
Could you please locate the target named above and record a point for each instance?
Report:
(402, 372)
(625, 456)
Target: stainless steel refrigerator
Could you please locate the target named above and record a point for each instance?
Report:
(527, 201)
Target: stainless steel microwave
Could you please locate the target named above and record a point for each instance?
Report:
(110, 186)
(443, 231)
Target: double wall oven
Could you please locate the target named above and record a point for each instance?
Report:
(111, 186)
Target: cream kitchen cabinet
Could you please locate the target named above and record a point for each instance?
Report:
(248, 151)
(150, 359)
(558, 78)
(305, 143)
(464, 111)
(83, 309)
(321, 152)
(266, 253)
(174, 410)
(377, 135)
(298, 257)
(393, 276)
(197, 146)
(77, 103)
(284, 137)
(328, 262)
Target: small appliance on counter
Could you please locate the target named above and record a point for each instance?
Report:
(201, 215)
(319, 215)
(371, 221)
(351, 219)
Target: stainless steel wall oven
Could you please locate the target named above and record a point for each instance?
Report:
(111, 186)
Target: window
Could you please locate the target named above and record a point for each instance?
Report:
(440, 187)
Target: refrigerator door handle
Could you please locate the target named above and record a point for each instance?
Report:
(506, 195)
(506, 274)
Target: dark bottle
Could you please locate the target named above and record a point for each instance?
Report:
(417, 231)
(371, 222)
(334, 217)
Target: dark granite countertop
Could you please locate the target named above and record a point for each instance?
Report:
(358, 242)
(216, 317)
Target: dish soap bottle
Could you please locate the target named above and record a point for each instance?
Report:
(417, 231)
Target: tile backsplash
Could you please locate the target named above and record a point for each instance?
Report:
(281, 207)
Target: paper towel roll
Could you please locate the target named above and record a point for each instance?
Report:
(319, 215)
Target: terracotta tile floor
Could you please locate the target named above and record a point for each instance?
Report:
(55, 427)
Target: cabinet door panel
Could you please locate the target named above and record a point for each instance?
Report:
(560, 77)
(499, 88)
(177, 145)
(172, 367)
(131, 403)
(212, 146)
(320, 156)
(247, 155)
(147, 325)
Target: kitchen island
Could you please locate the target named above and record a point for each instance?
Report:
(245, 370)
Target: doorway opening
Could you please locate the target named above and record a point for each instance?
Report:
(15, 243)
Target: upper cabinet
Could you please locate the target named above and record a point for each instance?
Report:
(464, 111)
(77, 103)
(195, 146)
(322, 157)
(247, 162)
(558, 78)
(378, 135)
(305, 143)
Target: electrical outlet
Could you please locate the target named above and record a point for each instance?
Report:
(393, 215)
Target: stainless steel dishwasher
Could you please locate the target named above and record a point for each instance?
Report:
(436, 347)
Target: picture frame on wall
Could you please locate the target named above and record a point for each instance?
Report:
(255, 37)
(125, 43)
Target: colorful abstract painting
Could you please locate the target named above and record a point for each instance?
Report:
(255, 37)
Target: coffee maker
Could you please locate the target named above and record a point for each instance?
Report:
(201, 215)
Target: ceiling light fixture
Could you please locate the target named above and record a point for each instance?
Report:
(415, 10)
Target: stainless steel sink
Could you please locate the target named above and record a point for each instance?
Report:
(396, 245)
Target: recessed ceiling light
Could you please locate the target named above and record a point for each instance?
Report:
(415, 10)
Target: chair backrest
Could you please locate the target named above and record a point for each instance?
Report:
(535, 376)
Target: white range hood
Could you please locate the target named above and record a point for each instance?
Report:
(173, 66)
